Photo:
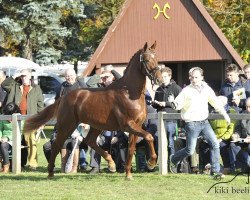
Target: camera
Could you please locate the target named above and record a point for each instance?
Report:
(241, 140)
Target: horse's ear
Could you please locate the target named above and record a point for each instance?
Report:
(145, 47)
(153, 46)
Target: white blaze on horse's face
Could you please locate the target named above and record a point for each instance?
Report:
(150, 63)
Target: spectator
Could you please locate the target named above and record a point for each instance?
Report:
(223, 132)
(193, 103)
(71, 82)
(119, 150)
(240, 145)
(72, 146)
(47, 145)
(161, 104)
(246, 70)
(6, 137)
(110, 68)
(116, 144)
(3, 93)
(233, 84)
(29, 98)
(142, 148)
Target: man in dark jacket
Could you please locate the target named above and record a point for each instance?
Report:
(3, 93)
(72, 82)
(161, 104)
(234, 88)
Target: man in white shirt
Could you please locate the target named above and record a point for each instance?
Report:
(193, 103)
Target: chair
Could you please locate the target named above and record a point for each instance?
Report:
(40, 132)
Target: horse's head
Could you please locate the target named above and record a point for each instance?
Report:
(149, 64)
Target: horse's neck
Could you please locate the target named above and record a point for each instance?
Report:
(134, 79)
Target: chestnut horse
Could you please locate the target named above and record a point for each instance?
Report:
(120, 106)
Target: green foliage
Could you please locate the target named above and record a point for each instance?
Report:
(48, 55)
(233, 17)
(101, 13)
(37, 27)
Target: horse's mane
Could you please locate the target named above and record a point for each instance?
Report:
(126, 69)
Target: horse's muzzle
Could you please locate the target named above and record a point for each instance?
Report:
(158, 81)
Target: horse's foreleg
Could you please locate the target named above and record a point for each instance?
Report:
(137, 130)
(131, 150)
(90, 140)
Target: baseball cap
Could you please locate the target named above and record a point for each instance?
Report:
(25, 72)
(105, 74)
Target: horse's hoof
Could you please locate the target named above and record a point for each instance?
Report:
(50, 176)
(150, 166)
(129, 178)
(112, 168)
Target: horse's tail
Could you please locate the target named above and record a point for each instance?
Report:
(36, 121)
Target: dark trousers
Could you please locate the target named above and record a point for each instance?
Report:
(224, 152)
(6, 153)
(204, 154)
(118, 152)
(143, 153)
(239, 155)
(5, 149)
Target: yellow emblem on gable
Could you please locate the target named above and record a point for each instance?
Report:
(163, 11)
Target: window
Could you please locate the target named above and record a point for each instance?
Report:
(48, 84)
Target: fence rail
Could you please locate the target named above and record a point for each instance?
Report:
(162, 140)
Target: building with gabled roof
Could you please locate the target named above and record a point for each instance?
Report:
(186, 36)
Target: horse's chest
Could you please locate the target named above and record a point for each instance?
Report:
(137, 112)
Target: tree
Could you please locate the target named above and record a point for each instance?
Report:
(37, 28)
(233, 17)
(101, 14)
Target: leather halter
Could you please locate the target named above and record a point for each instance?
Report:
(150, 73)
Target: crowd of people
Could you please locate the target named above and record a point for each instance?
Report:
(195, 144)
(218, 138)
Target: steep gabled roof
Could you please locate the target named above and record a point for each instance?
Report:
(219, 33)
(189, 35)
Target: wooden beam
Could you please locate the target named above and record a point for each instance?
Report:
(16, 145)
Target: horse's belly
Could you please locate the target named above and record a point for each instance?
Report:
(101, 122)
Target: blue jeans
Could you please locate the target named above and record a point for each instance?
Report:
(194, 129)
(170, 127)
(82, 158)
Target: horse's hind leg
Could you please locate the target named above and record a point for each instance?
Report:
(91, 141)
(62, 134)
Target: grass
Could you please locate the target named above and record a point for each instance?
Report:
(35, 185)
